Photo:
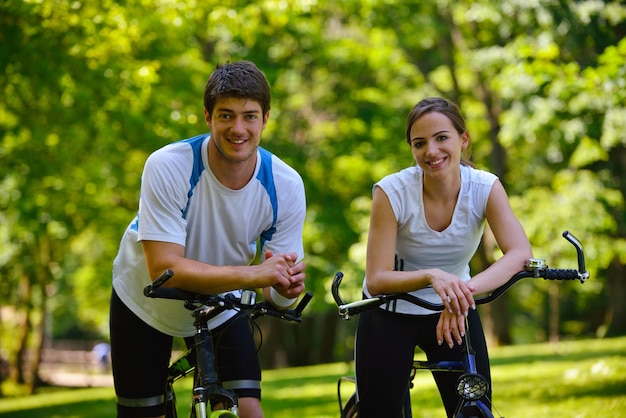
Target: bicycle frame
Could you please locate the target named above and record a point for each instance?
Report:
(207, 390)
(471, 386)
(180, 368)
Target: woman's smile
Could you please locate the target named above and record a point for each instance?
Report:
(436, 163)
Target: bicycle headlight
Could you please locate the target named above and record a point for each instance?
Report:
(471, 386)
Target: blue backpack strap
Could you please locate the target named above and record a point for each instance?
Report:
(198, 167)
(266, 178)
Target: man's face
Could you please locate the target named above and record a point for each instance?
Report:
(236, 125)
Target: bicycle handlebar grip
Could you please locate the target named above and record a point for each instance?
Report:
(157, 283)
(335, 288)
(561, 274)
(579, 251)
(302, 304)
(168, 293)
(165, 276)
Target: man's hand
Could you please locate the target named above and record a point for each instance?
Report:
(290, 284)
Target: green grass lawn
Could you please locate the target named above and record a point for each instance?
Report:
(572, 379)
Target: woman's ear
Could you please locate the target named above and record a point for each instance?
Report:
(465, 140)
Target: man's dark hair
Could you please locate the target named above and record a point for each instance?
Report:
(240, 79)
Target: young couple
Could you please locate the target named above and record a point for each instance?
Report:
(206, 201)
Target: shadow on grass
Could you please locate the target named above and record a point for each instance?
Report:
(560, 352)
(606, 389)
(277, 404)
(538, 376)
(600, 387)
(84, 409)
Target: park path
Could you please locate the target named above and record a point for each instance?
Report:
(72, 367)
(75, 379)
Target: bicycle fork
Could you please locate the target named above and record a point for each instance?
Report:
(207, 387)
(471, 386)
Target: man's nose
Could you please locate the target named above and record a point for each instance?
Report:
(238, 124)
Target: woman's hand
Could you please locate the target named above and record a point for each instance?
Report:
(457, 295)
(451, 328)
(458, 299)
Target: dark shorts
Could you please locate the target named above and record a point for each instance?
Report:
(140, 358)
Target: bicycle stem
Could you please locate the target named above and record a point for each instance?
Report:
(469, 358)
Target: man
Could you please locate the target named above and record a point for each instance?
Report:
(205, 203)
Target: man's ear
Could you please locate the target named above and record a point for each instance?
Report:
(266, 117)
(207, 118)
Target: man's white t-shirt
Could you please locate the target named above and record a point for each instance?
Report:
(420, 247)
(182, 202)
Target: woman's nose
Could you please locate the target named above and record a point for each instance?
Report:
(431, 148)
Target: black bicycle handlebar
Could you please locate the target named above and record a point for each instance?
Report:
(228, 301)
(535, 268)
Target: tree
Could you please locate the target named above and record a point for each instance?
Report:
(78, 82)
(91, 89)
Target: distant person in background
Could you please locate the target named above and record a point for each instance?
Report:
(102, 355)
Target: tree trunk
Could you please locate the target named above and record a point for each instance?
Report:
(272, 352)
(553, 314)
(329, 331)
(616, 284)
(39, 334)
(295, 344)
(22, 361)
(495, 315)
(499, 320)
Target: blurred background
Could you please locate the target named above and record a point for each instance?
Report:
(90, 89)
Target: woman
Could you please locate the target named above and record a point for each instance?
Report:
(426, 224)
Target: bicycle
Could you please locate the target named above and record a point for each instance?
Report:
(471, 386)
(200, 359)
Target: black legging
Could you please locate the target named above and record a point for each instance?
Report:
(140, 358)
(385, 344)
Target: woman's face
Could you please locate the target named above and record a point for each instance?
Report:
(436, 145)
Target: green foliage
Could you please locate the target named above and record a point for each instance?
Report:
(91, 88)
